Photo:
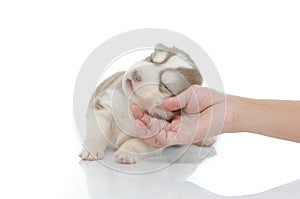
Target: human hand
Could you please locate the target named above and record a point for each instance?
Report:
(202, 116)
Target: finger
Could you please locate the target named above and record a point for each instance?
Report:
(155, 134)
(139, 114)
(141, 129)
(163, 137)
(145, 123)
(147, 131)
(156, 126)
(173, 103)
(182, 100)
(136, 111)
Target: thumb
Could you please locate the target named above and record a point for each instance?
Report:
(180, 101)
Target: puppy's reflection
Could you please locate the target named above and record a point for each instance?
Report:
(105, 182)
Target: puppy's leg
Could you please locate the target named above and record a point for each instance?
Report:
(207, 142)
(98, 129)
(133, 150)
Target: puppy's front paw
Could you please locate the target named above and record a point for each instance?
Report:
(161, 114)
(91, 154)
(125, 157)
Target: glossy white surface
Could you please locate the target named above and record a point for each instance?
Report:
(240, 164)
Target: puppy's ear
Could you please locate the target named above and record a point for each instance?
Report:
(161, 54)
(177, 80)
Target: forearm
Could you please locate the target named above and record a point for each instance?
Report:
(274, 118)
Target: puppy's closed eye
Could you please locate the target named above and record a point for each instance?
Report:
(163, 88)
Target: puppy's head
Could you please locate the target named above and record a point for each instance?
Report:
(166, 72)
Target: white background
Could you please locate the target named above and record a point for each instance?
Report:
(255, 46)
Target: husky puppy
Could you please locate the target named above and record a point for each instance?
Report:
(166, 72)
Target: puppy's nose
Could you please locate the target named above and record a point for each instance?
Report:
(136, 77)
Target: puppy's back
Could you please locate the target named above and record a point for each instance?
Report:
(104, 86)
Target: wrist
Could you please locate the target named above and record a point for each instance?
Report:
(238, 114)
